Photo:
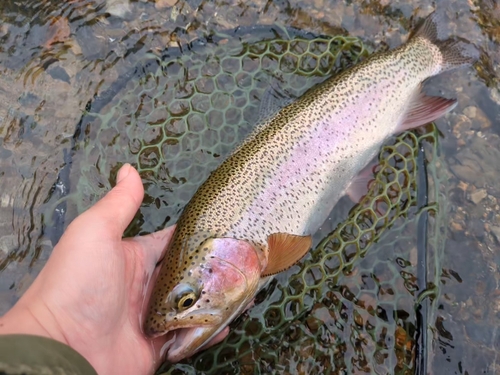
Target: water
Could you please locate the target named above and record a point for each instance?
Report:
(54, 59)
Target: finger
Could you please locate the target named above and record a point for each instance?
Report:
(153, 246)
(114, 212)
(162, 344)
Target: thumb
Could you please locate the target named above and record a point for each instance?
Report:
(114, 212)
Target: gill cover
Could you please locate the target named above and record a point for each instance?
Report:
(222, 284)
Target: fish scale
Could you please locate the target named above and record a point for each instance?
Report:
(228, 203)
(284, 180)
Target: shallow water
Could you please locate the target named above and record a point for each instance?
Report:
(55, 58)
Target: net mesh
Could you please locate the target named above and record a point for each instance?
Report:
(343, 309)
(184, 111)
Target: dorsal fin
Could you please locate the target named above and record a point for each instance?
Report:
(272, 101)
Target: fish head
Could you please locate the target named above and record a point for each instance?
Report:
(205, 295)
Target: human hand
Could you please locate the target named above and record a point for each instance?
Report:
(90, 295)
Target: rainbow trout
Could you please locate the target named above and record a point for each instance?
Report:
(255, 214)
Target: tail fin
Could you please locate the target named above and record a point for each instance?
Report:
(456, 51)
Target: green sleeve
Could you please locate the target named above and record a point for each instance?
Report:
(30, 355)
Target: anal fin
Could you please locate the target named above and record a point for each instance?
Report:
(359, 186)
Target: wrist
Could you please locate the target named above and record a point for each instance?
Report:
(32, 320)
(37, 320)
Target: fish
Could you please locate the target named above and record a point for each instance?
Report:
(255, 214)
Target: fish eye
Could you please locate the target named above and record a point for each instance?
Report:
(184, 296)
(186, 301)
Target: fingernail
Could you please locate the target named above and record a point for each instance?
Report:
(123, 172)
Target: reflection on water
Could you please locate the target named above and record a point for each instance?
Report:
(57, 57)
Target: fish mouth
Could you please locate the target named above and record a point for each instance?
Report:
(207, 321)
(185, 338)
(188, 341)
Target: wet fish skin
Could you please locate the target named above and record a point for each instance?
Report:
(285, 179)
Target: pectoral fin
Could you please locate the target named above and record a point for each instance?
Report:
(284, 251)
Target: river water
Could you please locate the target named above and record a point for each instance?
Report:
(55, 58)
